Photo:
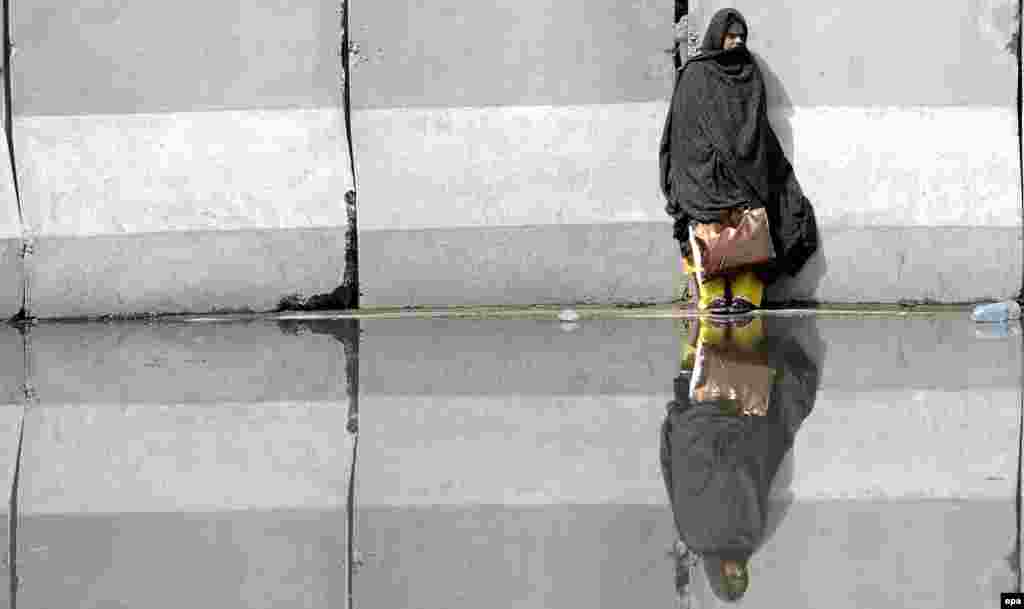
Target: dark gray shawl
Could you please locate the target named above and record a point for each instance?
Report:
(718, 150)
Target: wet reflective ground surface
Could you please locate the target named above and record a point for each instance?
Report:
(792, 460)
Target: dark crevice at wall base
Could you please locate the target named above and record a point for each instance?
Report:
(350, 281)
(340, 298)
(345, 296)
(21, 318)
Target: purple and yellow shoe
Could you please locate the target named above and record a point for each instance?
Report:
(718, 306)
(741, 306)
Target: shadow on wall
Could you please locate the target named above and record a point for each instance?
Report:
(780, 106)
(804, 286)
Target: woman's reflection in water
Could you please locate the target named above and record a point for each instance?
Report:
(744, 388)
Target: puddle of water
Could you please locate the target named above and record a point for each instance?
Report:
(519, 465)
(871, 462)
(174, 560)
(823, 554)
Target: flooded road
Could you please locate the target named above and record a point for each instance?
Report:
(791, 460)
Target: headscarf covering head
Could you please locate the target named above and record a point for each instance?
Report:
(727, 20)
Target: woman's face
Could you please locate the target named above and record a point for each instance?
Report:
(732, 40)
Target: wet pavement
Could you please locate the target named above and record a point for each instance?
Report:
(838, 460)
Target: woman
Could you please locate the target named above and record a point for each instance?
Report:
(719, 153)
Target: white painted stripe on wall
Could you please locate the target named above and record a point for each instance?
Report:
(511, 166)
(496, 166)
(188, 171)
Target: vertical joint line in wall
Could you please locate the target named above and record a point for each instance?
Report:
(26, 243)
(350, 279)
(1020, 128)
(8, 103)
(346, 88)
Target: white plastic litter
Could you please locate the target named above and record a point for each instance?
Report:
(568, 315)
(995, 312)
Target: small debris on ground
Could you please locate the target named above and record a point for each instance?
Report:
(568, 315)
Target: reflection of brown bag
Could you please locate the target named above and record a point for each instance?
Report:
(741, 239)
(730, 374)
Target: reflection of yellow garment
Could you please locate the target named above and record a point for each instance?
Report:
(745, 285)
(730, 366)
(711, 334)
(745, 336)
(748, 335)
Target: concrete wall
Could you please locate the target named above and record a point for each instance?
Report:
(506, 153)
(179, 157)
(514, 160)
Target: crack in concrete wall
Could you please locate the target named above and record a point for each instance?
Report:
(346, 295)
(1014, 46)
(8, 106)
(351, 278)
(26, 243)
